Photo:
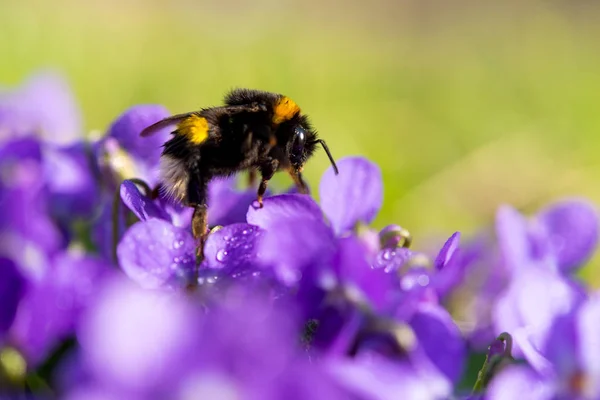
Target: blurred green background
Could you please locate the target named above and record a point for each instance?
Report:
(465, 105)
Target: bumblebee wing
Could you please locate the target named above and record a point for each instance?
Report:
(163, 123)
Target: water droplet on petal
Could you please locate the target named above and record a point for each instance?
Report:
(423, 280)
(388, 254)
(221, 255)
(178, 244)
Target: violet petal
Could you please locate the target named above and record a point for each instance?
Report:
(519, 382)
(292, 244)
(355, 195)
(447, 251)
(513, 239)
(128, 126)
(534, 298)
(139, 339)
(140, 205)
(233, 248)
(283, 206)
(441, 340)
(572, 226)
(155, 254)
(12, 288)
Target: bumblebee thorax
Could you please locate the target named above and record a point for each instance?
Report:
(284, 109)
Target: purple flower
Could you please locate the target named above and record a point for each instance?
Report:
(123, 154)
(371, 376)
(159, 251)
(355, 195)
(336, 279)
(155, 254)
(12, 287)
(71, 181)
(148, 344)
(552, 243)
(519, 382)
(571, 227)
(43, 106)
(566, 366)
(52, 304)
(28, 233)
(138, 340)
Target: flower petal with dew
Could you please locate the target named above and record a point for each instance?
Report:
(295, 237)
(233, 249)
(155, 254)
(356, 194)
(228, 205)
(283, 206)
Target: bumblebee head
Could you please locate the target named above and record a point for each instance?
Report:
(300, 146)
(301, 141)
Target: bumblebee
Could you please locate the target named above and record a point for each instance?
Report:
(254, 131)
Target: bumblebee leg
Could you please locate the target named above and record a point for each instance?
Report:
(200, 226)
(197, 194)
(267, 171)
(300, 184)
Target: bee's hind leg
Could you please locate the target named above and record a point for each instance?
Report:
(200, 227)
(197, 198)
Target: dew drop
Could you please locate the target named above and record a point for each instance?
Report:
(388, 254)
(221, 255)
(423, 280)
(177, 260)
(245, 232)
(178, 244)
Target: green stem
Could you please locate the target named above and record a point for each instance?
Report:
(491, 364)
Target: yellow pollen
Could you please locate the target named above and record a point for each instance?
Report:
(285, 109)
(195, 128)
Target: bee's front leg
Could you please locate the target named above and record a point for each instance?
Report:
(297, 177)
(267, 171)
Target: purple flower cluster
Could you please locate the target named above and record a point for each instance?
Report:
(102, 295)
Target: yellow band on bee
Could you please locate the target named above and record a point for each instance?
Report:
(195, 128)
(284, 109)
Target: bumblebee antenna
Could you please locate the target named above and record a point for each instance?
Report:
(335, 168)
